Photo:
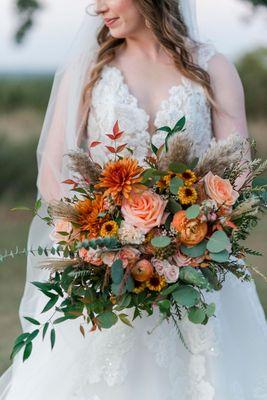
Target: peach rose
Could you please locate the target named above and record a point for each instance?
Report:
(128, 254)
(144, 210)
(192, 231)
(220, 189)
(60, 226)
(91, 256)
(181, 260)
(109, 257)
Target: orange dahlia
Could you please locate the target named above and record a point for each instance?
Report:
(120, 177)
(89, 219)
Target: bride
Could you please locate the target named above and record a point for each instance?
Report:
(146, 69)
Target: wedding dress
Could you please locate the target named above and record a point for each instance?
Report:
(227, 358)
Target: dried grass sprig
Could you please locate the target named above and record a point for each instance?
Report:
(58, 264)
(180, 150)
(249, 206)
(84, 165)
(221, 154)
(59, 209)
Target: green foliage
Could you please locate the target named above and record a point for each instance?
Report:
(18, 168)
(252, 68)
(27, 92)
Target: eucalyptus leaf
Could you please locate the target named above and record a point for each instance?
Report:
(161, 241)
(223, 256)
(186, 296)
(175, 185)
(195, 251)
(218, 242)
(196, 315)
(117, 271)
(210, 309)
(193, 211)
(164, 305)
(115, 288)
(193, 276)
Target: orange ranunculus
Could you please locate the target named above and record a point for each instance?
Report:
(144, 210)
(220, 189)
(192, 231)
(120, 177)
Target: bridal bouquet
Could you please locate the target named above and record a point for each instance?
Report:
(145, 237)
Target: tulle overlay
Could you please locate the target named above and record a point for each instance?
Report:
(227, 357)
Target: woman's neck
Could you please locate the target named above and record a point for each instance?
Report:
(143, 44)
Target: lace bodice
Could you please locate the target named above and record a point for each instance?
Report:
(112, 100)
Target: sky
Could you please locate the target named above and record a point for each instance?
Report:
(225, 22)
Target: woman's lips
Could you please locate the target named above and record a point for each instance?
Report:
(110, 21)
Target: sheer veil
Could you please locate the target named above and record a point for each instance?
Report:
(63, 131)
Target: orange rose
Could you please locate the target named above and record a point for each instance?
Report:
(192, 231)
(220, 190)
(144, 210)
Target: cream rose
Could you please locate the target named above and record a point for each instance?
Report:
(220, 189)
(144, 210)
(91, 256)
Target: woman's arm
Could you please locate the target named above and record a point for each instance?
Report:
(229, 95)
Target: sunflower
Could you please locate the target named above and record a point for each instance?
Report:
(156, 282)
(109, 228)
(189, 177)
(187, 195)
(89, 211)
(120, 177)
(168, 178)
(139, 287)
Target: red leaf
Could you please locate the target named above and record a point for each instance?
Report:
(111, 136)
(116, 130)
(118, 135)
(121, 147)
(116, 127)
(70, 182)
(111, 149)
(94, 144)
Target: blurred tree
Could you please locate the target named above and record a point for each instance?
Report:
(252, 68)
(28, 8)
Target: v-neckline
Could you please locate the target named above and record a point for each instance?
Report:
(184, 82)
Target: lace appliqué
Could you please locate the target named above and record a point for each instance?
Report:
(187, 370)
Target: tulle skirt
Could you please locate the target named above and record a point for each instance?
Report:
(226, 360)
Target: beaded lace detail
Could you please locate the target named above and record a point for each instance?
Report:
(112, 100)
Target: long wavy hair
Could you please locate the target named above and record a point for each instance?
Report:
(166, 22)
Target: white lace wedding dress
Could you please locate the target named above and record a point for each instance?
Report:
(228, 359)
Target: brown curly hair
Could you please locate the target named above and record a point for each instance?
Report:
(166, 22)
